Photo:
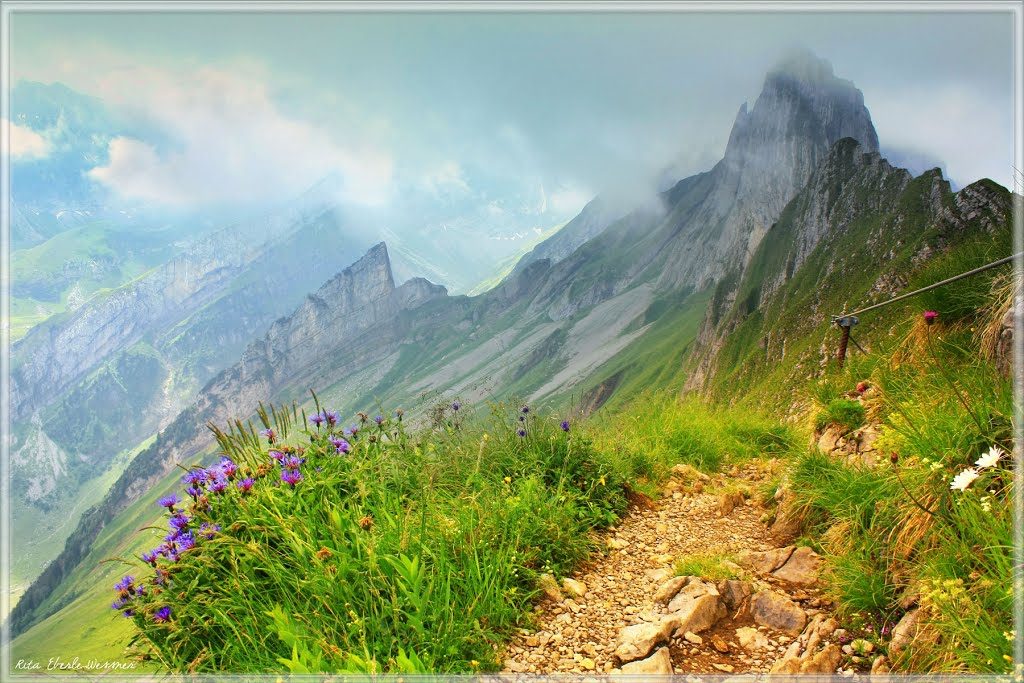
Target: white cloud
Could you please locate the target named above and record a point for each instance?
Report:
(230, 142)
(568, 200)
(447, 179)
(953, 124)
(25, 143)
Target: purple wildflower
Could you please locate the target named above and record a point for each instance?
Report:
(178, 522)
(170, 501)
(525, 409)
(194, 492)
(195, 477)
(930, 316)
(140, 590)
(318, 420)
(275, 454)
(456, 405)
(331, 417)
(245, 484)
(217, 485)
(521, 432)
(118, 604)
(128, 613)
(292, 462)
(565, 425)
(270, 434)
(162, 615)
(291, 477)
(379, 419)
(150, 557)
(228, 467)
(186, 541)
(125, 585)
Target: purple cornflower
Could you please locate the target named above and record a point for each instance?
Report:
(170, 501)
(172, 537)
(140, 590)
(150, 557)
(565, 425)
(340, 445)
(194, 492)
(195, 477)
(270, 434)
(292, 462)
(245, 484)
(522, 418)
(318, 420)
(125, 585)
(275, 454)
(379, 419)
(128, 613)
(331, 417)
(118, 604)
(291, 477)
(217, 485)
(456, 405)
(352, 432)
(186, 541)
(228, 466)
(162, 615)
(521, 432)
(526, 409)
(178, 522)
(208, 530)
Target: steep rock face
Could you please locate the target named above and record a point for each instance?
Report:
(803, 109)
(858, 216)
(712, 222)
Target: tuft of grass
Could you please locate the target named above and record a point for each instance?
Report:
(706, 566)
(843, 412)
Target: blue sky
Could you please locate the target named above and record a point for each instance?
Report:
(539, 110)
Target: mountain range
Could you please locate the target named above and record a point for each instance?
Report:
(730, 275)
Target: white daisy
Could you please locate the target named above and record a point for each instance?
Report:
(990, 458)
(964, 479)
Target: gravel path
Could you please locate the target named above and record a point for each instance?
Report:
(577, 635)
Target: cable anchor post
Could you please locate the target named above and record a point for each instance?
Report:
(845, 323)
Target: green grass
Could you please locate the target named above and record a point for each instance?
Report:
(887, 527)
(414, 553)
(842, 412)
(706, 566)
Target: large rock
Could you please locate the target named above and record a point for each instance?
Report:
(734, 593)
(811, 653)
(549, 588)
(658, 663)
(668, 590)
(776, 611)
(573, 587)
(635, 642)
(905, 631)
(801, 568)
(752, 639)
(696, 607)
(765, 562)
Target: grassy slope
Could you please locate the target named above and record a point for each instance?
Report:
(85, 626)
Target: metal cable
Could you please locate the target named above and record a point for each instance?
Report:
(947, 281)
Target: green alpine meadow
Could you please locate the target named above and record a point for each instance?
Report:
(512, 349)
